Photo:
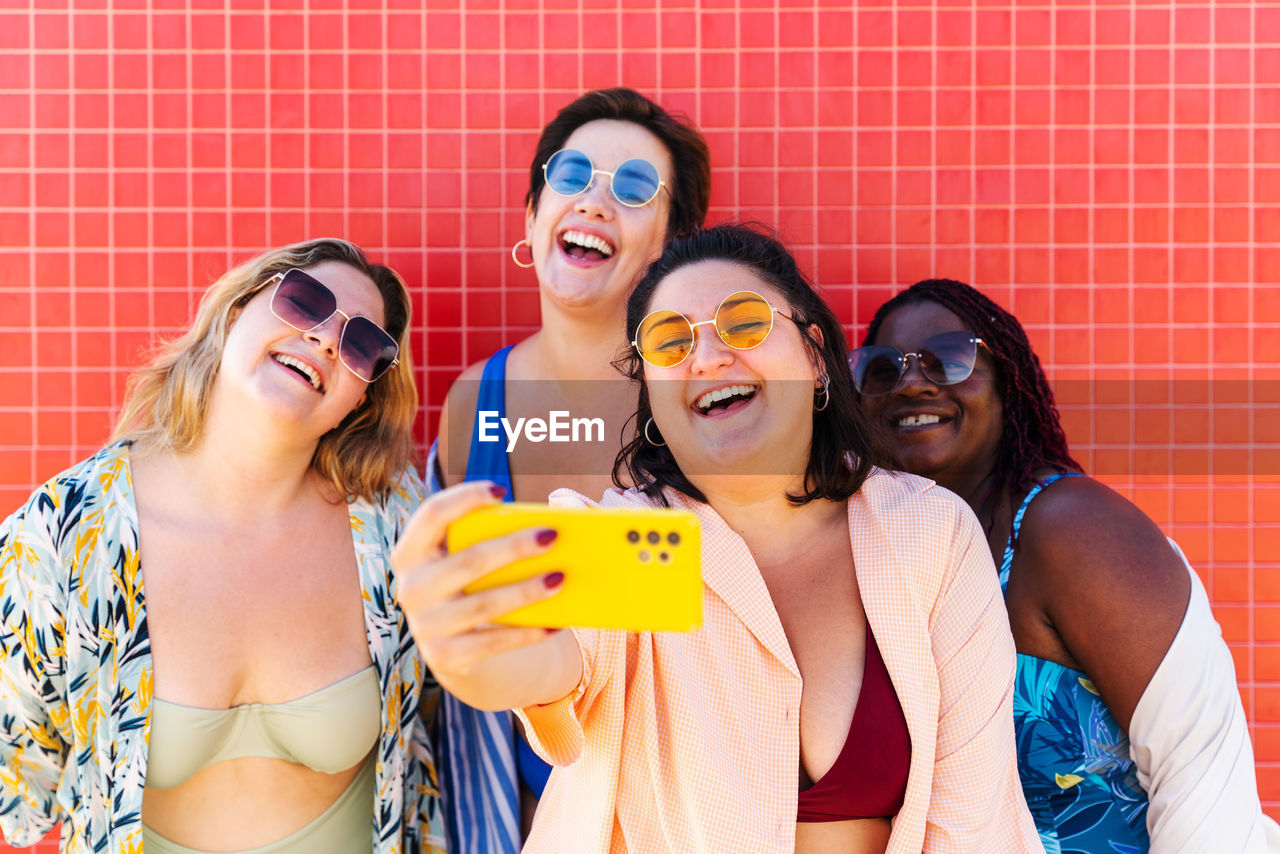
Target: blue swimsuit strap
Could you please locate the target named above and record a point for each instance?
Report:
(488, 460)
(1006, 562)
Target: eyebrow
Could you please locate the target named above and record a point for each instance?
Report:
(737, 302)
(677, 318)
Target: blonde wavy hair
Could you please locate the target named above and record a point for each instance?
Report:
(168, 400)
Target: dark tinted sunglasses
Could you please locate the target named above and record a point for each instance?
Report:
(945, 359)
(634, 183)
(304, 303)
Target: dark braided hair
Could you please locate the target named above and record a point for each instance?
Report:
(1032, 435)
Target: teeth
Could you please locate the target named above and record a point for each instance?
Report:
(918, 420)
(721, 393)
(302, 366)
(588, 241)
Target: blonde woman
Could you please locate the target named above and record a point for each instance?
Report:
(200, 650)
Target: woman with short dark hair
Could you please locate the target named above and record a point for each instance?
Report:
(614, 175)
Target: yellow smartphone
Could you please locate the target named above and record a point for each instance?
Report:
(635, 569)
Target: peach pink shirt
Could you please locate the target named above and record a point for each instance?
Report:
(690, 742)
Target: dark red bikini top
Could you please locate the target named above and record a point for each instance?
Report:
(869, 777)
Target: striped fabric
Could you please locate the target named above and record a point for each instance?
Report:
(691, 742)
(478, 775)
(476, 749)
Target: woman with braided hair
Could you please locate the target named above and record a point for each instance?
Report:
(1131, 735)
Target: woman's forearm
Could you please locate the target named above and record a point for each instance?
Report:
(528, 676)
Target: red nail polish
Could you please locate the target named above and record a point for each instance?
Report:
(546, 536)
(552, 580)
(497, 491)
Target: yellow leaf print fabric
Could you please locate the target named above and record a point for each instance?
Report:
(76, 680)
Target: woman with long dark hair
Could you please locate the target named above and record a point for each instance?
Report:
(849, 687)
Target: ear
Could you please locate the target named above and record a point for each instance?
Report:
(528, 220)
(240, 303)
(817, 341)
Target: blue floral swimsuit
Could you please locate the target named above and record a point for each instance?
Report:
(1073, 758)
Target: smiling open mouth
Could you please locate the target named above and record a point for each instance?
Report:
(723, 398)
(918, 420)
(591, 247)
(304, 370)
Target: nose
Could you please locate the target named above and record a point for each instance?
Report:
(913, 381)
(328, 335)
(708, 350)
(597, 200)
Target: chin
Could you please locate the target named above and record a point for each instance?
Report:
(296, 417)
(581, 288)
(571, 298)
(910, 458)
(730, 458)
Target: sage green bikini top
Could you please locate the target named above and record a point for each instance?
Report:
(329, 730)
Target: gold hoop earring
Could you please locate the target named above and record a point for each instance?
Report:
(516, 258)
(824, 392)
(649, 438)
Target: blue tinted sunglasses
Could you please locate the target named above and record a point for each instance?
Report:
(634, 183)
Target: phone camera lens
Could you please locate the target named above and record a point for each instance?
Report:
(633, 537)
(664, 557)
(673, 538)
(644, 556)
(655, 537)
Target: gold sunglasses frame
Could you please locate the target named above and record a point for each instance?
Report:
(693, 328)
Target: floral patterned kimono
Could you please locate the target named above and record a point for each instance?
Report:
(76, 678)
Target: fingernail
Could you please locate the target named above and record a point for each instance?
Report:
(546, 536)
(497, 491)
(552, 580)
(551, 631)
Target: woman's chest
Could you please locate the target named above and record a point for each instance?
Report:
(251, 618)
(816, 596)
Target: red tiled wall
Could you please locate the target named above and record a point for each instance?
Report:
(1110, 172)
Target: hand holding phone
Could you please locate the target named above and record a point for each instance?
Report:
(624, 568)
(486, 665)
